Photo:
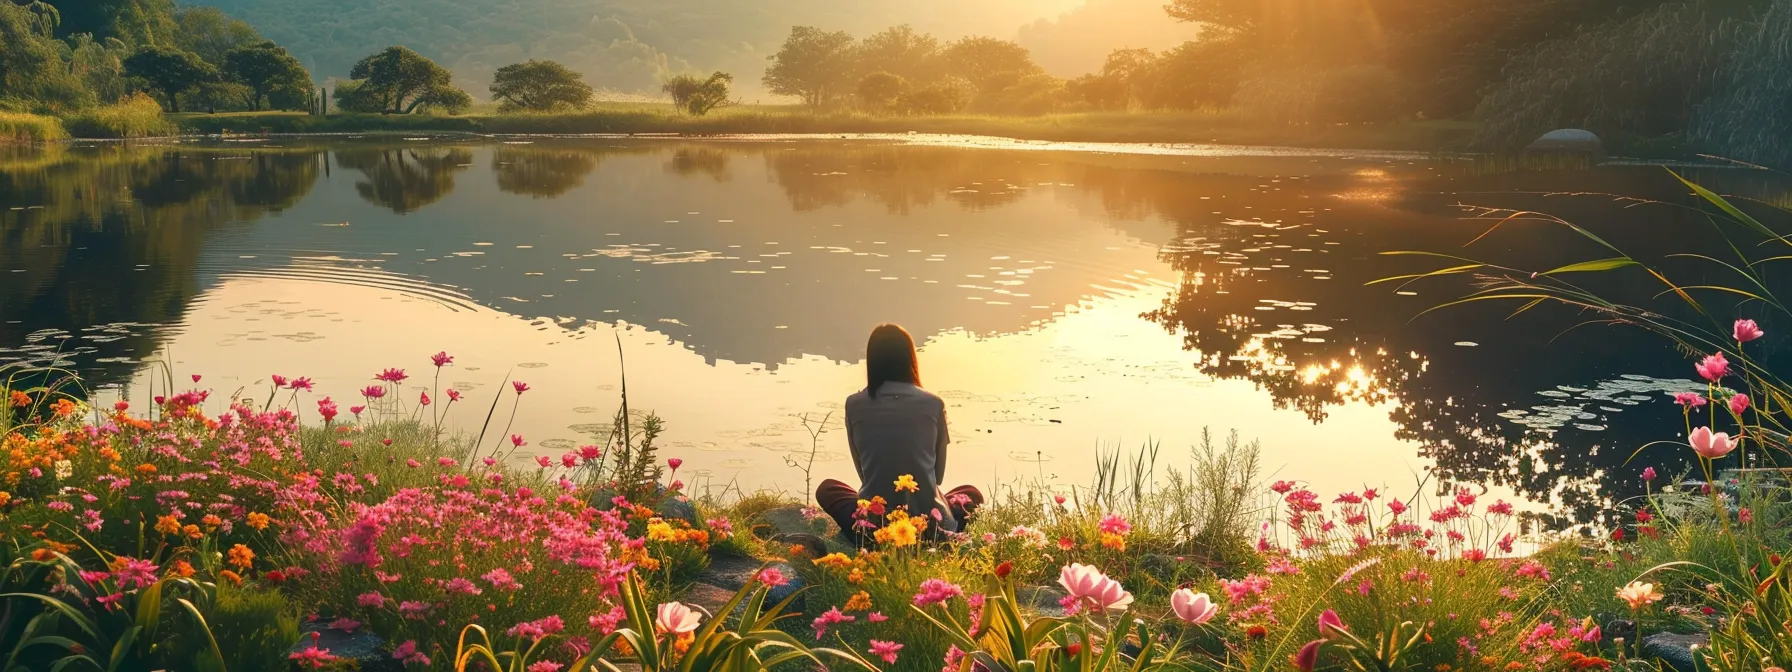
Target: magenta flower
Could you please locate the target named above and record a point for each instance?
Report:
(675, 463)
(441, 359)
(373, 392)
(1713, 368)
(543, 461)
(517, 440)
(1308, 657)
(424, 400)
(314, 658)
(519, 386)
(885, 650)
(326, 408)
(935, 591)
(833, 616)
(877, 617)
(772, 577)
(357, 410)
(1747, 330)
(1648, 474)
(1330, 626)
(374, 600)
(393, 376)
(453, 395)
(1114, 524)
(279, 381)
(301, 383)
(569, 459)
(501, 579)
(544, 666)
(137, 573)
(1738, 403)
(1712, 445)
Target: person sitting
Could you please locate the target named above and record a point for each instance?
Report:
(897, 432)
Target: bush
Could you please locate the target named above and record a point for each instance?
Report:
(1360, 95)
(254, 629)
(944, 97)
(137, 116)
(25, 127)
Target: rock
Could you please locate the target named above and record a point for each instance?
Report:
(789, 520)
(671, 506)
(366, 649)
(1567, 142)
(731, 573)
(1041, 599)
(1679, 652)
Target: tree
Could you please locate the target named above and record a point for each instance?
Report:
(990, 64)
(354, 96)
(539, 86)
(268, 71)
(813, 65)
(31, 67)
(943, 97)
(879, 90)
(401, 81)
(698, 96)
(209, 32)
(212, 94)
(902, 52)
(170, 71)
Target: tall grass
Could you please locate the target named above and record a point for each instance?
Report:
(137, 116)
(1751, 117)
(25, 127)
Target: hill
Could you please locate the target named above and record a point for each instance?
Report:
(621, 45)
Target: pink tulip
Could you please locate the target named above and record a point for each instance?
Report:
(1713, 368)
(1193, 607)
(1330, 626)
(1087, 584)
(1738, 404)
(1712, 445)
(424, 400)
(675, 463)
(196, 377)
(357, 410)
(676, 618)
(1308, 657)
(1747, 330)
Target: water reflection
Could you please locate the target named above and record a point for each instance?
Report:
(779, 253)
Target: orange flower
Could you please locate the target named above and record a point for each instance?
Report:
(234, 578)
(146, 468)
(860, 601)
(5, 497)
(167, 525)
(1113, 541)
(834, 560)
(258, 521)
(64, 408)
(211, 520)
(42, 555)
(241, 556)
(856, 576)
(181, 569)
(20, 399)
(192, 532)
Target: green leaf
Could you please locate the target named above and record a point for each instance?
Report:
(1594, 265)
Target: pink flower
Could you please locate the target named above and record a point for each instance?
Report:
(935, 591)
(279, 381)
(441, 359)
(446, 461)
(544, 461)
(374, 600)
(877, 617)
(345, 624)
(1114, 524)
(1745, 515)
(1746, 330)
(1712, 446)
(326, 408)
(833, 616)
(393, 376)
(373, 392)
(1738, 403)
(408, 653)
(885, 650)
(1396, 506)
(453, 395)
(589, 453)
(424, 400)
(500, 578)
(1648, 474)
(1193, 607)
(675, 617)
(357, 410)
(569, 459)
(517, 440)
(1087, 584)
(136, 573)
(196, 377)
(1330, 626)
(772, 577)
(519, 386)
(1308, 657)
(537, 629)
(313, 657)
(1059, 499)
(301, 383)
(544, 666)
(675, 463)
(1712, 368)
(1689, 399)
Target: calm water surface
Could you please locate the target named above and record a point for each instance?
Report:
(1067, 301)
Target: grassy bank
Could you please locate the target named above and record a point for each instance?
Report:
(1220, 128)
(25, 127)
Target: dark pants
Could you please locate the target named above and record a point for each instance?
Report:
(840, 501)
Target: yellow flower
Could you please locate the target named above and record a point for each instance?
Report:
(258, 521)
(241, 556)
(834, 560)
(650, 563)
(906, 483)
(856, 576)
(899, 534)
(167, 525)
(660, 530)
(860, 601)
(1114, 541)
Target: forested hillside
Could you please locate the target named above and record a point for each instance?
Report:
(622, 45)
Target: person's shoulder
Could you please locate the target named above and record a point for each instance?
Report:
(857, 398)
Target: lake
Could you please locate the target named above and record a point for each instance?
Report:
(1068, 299)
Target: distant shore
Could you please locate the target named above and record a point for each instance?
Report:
(1102, 127)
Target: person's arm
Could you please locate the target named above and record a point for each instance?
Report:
(852, 442)
(939, 449)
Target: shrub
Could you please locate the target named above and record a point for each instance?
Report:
(25, 127)
(136, 116)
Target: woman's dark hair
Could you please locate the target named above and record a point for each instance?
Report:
(890, 355)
